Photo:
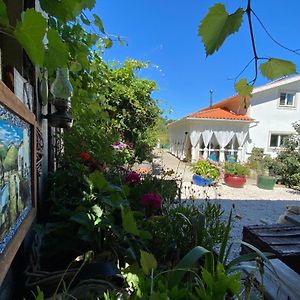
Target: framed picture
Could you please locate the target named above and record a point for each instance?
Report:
(17, 175)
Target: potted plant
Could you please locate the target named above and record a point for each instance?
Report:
(205, 172)
(264, 180)
(235, 174)
(261, 164)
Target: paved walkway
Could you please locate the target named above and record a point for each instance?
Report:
(251, 204)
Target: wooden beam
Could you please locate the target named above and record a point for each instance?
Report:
(12, 102)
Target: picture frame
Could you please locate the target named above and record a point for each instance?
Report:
(17, 175)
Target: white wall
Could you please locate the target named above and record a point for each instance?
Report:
(177, 131)
(264, 108)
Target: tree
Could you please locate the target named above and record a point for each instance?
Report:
(112, 104)
(162, 132)
(3, 152)
(11, 159)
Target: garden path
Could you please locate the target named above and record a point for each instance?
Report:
(251, 204)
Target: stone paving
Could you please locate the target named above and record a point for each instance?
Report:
(251, 204)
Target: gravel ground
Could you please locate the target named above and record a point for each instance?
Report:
(251, 204)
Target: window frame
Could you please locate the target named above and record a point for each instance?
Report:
(287, 106)
(279, 139)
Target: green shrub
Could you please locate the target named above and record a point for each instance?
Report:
(287, 164)
(166, 188)
(206, 169)
(183, 227)
(260, 162)
(236, 169)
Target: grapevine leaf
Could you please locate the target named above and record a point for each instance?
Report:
(275, 68)
(30, 33)
(75, 67)
(92, 39)
(3, 14)
(98, 23)
(148, 262)
(243, 88)
(66, 10)
(85, 20)
(57, 54)
(107, 42)
(83, 60)
(217, 25)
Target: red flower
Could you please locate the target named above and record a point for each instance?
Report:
(132, 178)
(152, 200)
(85, 156)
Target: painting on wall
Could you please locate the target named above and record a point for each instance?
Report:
(15, 174)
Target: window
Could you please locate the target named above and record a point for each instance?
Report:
(287, 99)
(277, 140)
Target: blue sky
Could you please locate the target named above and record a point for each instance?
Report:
(10, 134)
(164, 32)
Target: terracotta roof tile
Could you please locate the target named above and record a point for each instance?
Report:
(223, 103)
(218, 113)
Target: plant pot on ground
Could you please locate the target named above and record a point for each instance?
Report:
(262, 163)
(205, 172)
(235, 174)
(266, 182)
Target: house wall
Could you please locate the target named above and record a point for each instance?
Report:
(178, 129)
(264, 107)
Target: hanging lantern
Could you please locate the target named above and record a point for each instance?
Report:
(61, 87)
(62, 91)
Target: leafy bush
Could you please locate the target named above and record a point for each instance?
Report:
(206, 169)
(287, 163)
(260, 162)
(236, 169)
(87, 212)
(112, 104)
(183, 227)
(166, 188)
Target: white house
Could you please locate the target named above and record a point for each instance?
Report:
(229, 129)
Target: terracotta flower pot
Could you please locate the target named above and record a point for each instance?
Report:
(235, 181)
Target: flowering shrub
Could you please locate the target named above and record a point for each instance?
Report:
(152, 200)
(119, 145)
(132, 178)
(96, 166)
(92, 164)
(85, 155)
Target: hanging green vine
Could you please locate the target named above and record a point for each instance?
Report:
(40, 37)
(218, 25)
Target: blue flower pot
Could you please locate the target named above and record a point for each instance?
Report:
(199, 180)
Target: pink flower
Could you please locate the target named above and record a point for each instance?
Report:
(132, 178)
(119, 145)
(85, 155)
(152, 200)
